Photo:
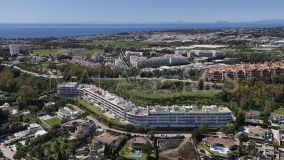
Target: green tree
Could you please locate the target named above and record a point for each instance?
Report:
(229, 128)
(4, 115)
(7, 82)
(201, 84)
(25, 95)
(240, 119)
(147, 148)
(243, 137)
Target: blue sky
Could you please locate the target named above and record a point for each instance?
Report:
(138, 11)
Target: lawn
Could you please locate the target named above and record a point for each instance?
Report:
(89, 52)
(98, 113)
(45, 52)
(279, 111)
(54, 52)
(44, 65)
(143, 94)
(127, 149)
(53, 121)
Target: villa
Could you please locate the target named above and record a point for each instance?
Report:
(105, 138)
(9, 108)
(67, 113)
(259, 133)
(5, 107)
(253, 115)
(33, 130)
(137, 142)
(84, 129)
(221, 143)
(281, 134)
(277, 118)
(267, 151)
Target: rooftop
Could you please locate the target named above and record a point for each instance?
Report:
(192, 108)
(257, 130)
(221, 139)
(68, 84)
(106, 138)
(138, 110)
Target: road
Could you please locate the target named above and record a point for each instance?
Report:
(137, 78)
(33, 73)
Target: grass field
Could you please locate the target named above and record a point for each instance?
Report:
(130, 44)
(279, 111)
(54, 52)
(144, 93)
(99, 113)
(44, 65)
(89, 52)
(53, 121)
(126, 151)
(47, 52)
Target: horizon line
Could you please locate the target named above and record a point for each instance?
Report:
(170, 22)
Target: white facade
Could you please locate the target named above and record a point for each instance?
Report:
(167, 60)
(131, 53)
(157, 116)
(67, 89)
(14, 49)
(277, 118)
(205, 53)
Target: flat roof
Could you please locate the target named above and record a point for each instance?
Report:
(138, 110)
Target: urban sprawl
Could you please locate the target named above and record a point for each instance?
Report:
(169, 95)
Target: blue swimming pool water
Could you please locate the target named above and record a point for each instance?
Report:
(135, 154)
(44, 117)
(220, 149)
(18, 134)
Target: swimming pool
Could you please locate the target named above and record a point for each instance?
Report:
(219, 149)
(135, 154)
(18, 134)
(44, 117)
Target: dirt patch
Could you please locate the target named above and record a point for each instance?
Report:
(185, 151)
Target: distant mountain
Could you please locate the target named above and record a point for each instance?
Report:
(272, 21)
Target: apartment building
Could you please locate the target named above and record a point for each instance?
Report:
(67, 89)
(205, 53)
(240, 71)
(14, 49)
(153, 62)
(157, 116)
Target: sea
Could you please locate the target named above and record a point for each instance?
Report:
(13, 31)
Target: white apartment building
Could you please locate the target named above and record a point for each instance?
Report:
(205, 53)
(132, 53)
(14, 49)
(166, 60)
(157, 116)
(67, 89)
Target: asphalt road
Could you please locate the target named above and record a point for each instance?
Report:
(137, 78)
